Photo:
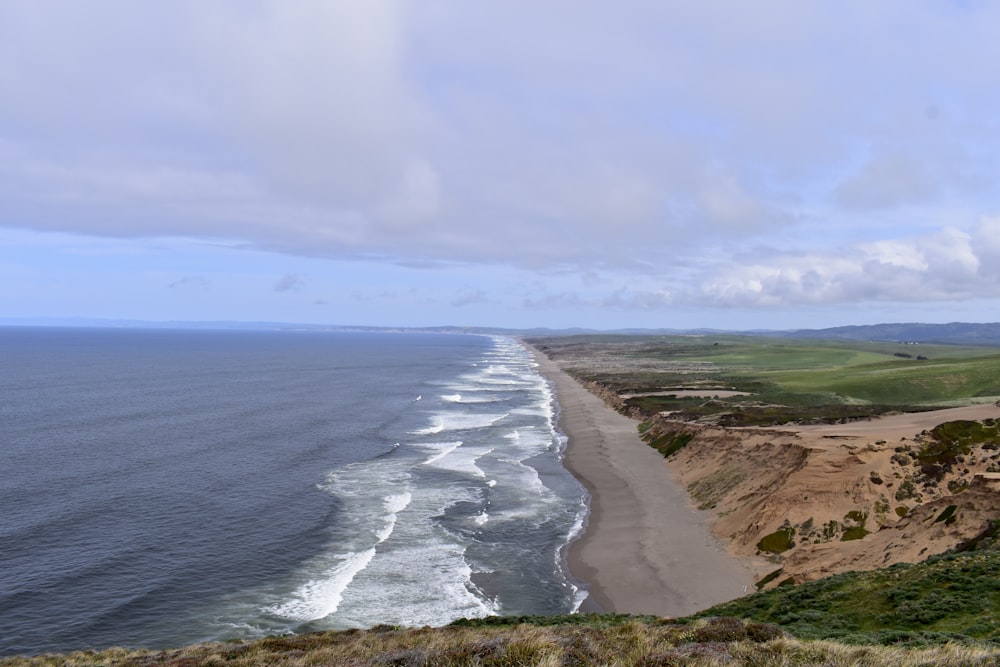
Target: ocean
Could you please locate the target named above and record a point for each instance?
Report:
(164, 487)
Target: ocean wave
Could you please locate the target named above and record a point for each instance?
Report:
(467, 400)
(461, 459)
(394, 504)
(456, 421)
(320, 597)
(431, 584)
(441, 449)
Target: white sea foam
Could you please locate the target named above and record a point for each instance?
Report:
(461, 460)
(481, 518)
(470, 400)
(537, 410)
(533, 480)
(579, 525)
(472, 392)
(321, 597)
(437, 425)
(428, 583)
(442, 449)
(398, 502)
(457, 421)
(386, 531)
(394, 504)
(486, 381)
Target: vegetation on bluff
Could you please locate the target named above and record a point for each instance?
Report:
(666, 442)
(955, 597)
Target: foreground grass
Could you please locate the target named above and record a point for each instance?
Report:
(624, 642)
(944, 611)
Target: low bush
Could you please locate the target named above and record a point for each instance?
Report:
(853, 533)
(777, 542)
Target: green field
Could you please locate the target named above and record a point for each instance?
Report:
(867, 373)
(787, 380)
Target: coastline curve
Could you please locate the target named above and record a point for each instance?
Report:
(645, 548)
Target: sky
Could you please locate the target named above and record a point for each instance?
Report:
(554, 163)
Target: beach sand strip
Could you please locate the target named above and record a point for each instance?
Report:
(646, 549)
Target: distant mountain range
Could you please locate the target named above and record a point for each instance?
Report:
(955, 333)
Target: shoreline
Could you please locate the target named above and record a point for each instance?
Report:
(645, 549)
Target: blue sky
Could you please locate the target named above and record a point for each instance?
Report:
(632, 164)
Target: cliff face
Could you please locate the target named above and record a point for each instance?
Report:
(814, 501)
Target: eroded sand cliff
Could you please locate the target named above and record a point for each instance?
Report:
(817, 500)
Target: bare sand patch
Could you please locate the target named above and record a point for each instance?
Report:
(894, 427)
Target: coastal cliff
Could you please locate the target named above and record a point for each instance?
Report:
(822, 500)
(804, 482)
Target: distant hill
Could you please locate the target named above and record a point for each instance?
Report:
(955, 333)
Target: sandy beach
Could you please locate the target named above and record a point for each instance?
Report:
(646, 548)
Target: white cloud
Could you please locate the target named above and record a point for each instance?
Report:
(943, 266)
(645, 139)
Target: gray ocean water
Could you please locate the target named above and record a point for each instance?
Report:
(165, 487)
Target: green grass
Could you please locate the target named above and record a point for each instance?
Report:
(947, 598)
(788, 380)
(902, 381)
(770, 357)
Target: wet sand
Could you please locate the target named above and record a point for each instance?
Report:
(646, 548)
